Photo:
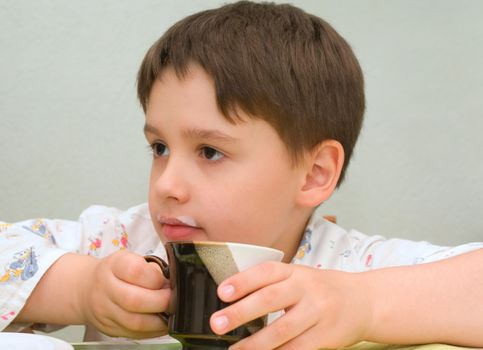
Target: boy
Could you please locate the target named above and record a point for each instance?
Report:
(252, 112)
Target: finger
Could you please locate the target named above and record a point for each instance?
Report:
(137, 325)
(141, 300)
(248, 281)
(258, 304)
(121, 323)
(132, 268)
(282, 330)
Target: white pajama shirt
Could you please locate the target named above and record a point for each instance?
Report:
(29, 248)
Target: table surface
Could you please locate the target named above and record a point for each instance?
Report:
(158, 344)
(176, 346)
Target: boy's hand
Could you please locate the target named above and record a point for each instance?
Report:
(123, 295)
(323, 308)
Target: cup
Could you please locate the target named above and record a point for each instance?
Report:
(195, 269)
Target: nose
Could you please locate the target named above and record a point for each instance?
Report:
(170, 181)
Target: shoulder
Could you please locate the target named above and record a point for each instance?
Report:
(329, 246)
(108, 229)
(140, 210)
(323, 243)
(104, 215)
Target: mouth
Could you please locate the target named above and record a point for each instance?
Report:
(180, 228)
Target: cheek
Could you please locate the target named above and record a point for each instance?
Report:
(247, 211)
(152, 197)
(271, 187)
(226, 214)
(155, 173)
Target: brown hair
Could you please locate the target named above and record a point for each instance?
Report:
(274, 62)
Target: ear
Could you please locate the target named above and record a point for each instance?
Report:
(323, 168)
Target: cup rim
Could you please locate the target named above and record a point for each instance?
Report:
(237, 244)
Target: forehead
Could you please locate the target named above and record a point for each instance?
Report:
(191, 97)
(195, 83)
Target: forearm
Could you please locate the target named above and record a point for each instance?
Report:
(435, 302)
(57, 298)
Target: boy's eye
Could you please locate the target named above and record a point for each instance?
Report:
(159, 150)
(211, 153)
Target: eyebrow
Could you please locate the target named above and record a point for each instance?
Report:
(208, 134)
(150, 129)
(197, 133)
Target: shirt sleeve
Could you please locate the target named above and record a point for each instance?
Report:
(375, 252)
(27, 250)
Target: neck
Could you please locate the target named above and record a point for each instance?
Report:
(293, 237)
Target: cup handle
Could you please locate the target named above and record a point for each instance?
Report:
(165, 270)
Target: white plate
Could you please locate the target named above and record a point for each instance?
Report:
(25, 341)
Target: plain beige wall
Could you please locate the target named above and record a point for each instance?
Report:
(71, 126)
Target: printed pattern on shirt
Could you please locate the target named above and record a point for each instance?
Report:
(23, 266)
(4, 226)
(6, 316)
(39, 227)
(305, 246)
(121, 239)
(95, 244)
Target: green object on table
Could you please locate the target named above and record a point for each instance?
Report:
(122, 346)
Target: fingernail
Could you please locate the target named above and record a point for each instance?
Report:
(221, 322)
(227, 290)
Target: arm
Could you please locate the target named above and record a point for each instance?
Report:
(120, 295)
(434, 302)
(27, 250)
(56, 299)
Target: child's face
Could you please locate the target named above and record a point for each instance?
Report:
(213, 180)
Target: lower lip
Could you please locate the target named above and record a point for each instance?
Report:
(179, 232)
